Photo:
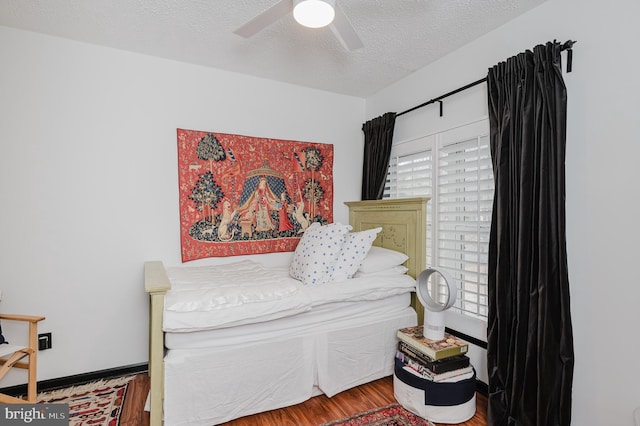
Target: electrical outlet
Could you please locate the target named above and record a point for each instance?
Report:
(44, 341)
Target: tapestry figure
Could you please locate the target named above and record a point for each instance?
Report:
(285, 223)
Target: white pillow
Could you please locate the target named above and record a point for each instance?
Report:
(317, 252)
(355, 248)
(379, 259)
(396, 270)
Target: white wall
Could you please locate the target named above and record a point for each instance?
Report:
(89, 180)
(603, 147)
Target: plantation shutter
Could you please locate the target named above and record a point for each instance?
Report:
(454, 169)
(465, 197)
(411, 175)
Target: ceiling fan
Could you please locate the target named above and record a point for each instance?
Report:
(310, 13)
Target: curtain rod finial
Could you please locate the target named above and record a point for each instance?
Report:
(567, 46)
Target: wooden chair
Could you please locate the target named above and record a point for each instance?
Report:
(11, 356)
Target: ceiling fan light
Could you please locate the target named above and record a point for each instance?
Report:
(314, 13)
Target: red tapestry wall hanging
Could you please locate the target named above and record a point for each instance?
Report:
(247, 195)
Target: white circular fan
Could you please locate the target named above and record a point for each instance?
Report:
(434, 310)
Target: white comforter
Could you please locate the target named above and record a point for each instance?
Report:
(245, 292)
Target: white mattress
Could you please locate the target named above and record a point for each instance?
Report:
(322, 318)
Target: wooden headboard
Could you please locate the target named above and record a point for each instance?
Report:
(404, 229)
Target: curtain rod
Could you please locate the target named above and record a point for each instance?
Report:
(439, 98)
(565, 46)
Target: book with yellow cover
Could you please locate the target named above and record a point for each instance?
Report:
(436, 349)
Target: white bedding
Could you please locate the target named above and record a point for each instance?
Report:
(208, 297)
(371, 287)
(212, 297)
(323, 318)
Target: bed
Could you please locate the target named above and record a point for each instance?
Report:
(330, 338)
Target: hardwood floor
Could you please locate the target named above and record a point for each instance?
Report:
(313, 412)
(133, 413)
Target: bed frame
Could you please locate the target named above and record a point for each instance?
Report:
(403, 224)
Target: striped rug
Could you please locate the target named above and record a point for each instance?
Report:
(97, 403)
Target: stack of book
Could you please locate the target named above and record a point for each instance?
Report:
(436, 360)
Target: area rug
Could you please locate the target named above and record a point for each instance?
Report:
(391, 415)
(97, 403)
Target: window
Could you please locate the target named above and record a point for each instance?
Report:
(454, 169)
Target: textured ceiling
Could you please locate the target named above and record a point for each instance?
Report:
(399, 36)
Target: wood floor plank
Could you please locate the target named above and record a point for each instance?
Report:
(133, 413)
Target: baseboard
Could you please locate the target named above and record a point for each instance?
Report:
(482, 387)
(77, 379)
(470, 339)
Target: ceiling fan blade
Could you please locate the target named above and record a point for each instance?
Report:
(343, 30)
(265, 19)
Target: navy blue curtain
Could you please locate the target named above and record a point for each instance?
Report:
(530, 342)
(378, 136)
